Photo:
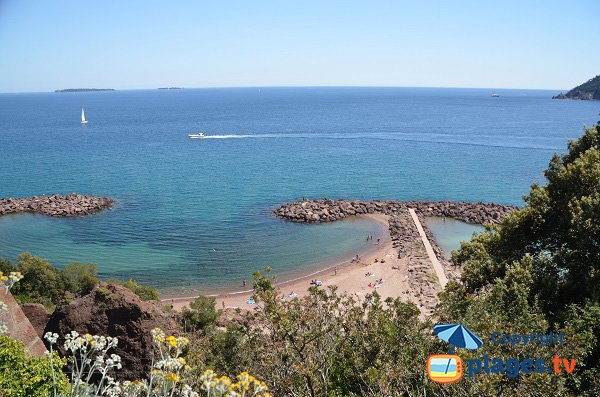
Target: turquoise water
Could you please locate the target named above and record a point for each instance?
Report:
(197, 212)
(449, 233)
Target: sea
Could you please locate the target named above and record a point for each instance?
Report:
(196, 214)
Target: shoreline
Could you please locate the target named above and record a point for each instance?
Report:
(407, 264)
(300, 277)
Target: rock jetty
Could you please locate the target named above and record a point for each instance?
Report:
(319, 211)
(70, 205)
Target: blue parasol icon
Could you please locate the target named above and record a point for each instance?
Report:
(458, 335)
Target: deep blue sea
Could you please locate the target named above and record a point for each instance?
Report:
(195, 213)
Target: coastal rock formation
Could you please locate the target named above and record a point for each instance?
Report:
(70, 205)
(586, 91)
(113, 310)
(316, 211)
(37, 315)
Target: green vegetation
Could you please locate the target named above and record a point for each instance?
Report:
(145, 293)
(588, 90)
(540, 269)
(201, 314)
(24, 376)
(51, 286)
(44, 283)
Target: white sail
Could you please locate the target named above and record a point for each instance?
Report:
(83, 120)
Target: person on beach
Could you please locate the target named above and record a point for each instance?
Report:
(223, 305)
(243, 283)
(377, 241)
(335, 271)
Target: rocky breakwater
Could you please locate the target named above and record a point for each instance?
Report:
(69, 205)
(317, 211)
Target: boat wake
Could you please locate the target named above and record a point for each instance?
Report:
(427, 138)
(244, 136)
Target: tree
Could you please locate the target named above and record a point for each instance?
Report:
(540, 269)
(201, 313)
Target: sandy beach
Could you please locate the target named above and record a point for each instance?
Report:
(378, 262)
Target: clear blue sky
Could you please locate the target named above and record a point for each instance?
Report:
(45, 45)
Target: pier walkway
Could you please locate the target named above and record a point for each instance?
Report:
(437, 266)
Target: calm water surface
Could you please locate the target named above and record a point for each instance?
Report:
(197, 212)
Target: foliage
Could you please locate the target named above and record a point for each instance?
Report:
(91, 367)
(46, 284)
(324, 344)
(51, 286)
(42, 282)
(540, 269)
(24, 376)
(201, 314)
(146, 293)
(82, 277)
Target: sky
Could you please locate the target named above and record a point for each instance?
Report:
(130, 44)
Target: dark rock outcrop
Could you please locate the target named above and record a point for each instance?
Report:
(317, 211)
(113, 310)
(38, 316)
(70, 205)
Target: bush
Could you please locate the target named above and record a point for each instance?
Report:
(24, 375)
(42, 282)
(82, 277)
(145, 292)
(201, 313)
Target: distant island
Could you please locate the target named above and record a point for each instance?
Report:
(170, 88)
(586, 91)
(84, 89)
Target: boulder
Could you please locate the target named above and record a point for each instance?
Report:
(37, 315)
(113, 310)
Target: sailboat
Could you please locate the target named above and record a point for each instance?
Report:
(83, 120)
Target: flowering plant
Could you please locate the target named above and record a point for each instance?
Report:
(91, 366)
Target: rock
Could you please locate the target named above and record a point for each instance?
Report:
(56, 205)
(113, 310)
(37, 315)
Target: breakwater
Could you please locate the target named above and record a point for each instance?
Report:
(423, 285)
(317, 211)
(70, 205)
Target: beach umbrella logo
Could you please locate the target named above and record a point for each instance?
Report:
(458, 336)
(448, 368)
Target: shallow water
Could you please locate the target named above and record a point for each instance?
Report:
(449, 233)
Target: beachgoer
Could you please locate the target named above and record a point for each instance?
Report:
(244, 283)
(223, 304)
(377, 241)
(335, 271)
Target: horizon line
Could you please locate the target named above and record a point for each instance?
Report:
(281, 86)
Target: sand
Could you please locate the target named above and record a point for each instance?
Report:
(379, 262)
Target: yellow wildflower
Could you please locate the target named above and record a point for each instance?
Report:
(172, 377)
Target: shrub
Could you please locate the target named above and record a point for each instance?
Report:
(146, 293)
(24, 375)
(201, 313)
(82, 277)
